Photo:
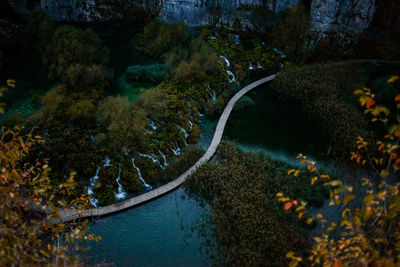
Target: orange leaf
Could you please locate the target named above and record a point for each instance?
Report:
(288, 205)
(337, 263)
(397, 98)
(319, 216)
(358, 159)
(295, 202)
(48, 246)
(370, 103)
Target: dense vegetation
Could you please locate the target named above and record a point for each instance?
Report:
(325, 93)
(250, 225)
(84, 122)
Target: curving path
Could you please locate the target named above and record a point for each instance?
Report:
(69, 215)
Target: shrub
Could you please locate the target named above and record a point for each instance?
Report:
(324, 93)
(250, 226)
(179, 165)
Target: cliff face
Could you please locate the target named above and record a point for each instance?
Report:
(350, 17)
(199, 12)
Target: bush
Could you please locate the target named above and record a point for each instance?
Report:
(324, 93)
(71, 46)
(179, 165)
(159, 37)
(250, 226)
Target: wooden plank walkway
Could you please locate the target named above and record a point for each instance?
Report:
(70, 215)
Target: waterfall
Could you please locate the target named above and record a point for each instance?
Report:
(228, 64)
(184, 131)
(251, 67)
(152, 124)
(281, 54)
(145, 185)
(165, 164)
(232, 77)
(176, 151)
(107, 162)
(93, 182)
(214, 96)
(153, 157)
(121, 194)
(259, 66)
(190, 125)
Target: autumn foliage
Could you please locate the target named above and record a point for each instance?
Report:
(368, 230)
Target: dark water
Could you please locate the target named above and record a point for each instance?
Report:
(276, 125)
(158, 233)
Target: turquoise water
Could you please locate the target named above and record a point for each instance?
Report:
(159, 233)
(275, 125)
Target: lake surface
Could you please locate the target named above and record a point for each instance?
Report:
(162, 232)
(159, 233)
(276, 125)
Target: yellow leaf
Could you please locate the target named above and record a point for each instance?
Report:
(289, 254)
(313, 180)
(335, 183)
(296, 172)
(393, 79)
(358, 92)
(384, 173)
(290, 171)
(309, 220)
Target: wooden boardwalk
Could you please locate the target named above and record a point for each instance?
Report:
(70, 215)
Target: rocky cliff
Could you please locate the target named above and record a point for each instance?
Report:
(350, 17)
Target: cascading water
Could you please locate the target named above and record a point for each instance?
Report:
(176, 151)
(165, 164)
(121, 194)
(251, 67)
(190, 125)
(232, 77)
(281, 54)
(93, 183)
(152, 124)
(214, 96)
(107, 162)
(184, 131)
(153, 157)
(228, 64)
(145, 185)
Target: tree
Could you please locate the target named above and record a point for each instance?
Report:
(125, 123)
(368, 230)
(71, 46)
(29, 201)
(292, 33)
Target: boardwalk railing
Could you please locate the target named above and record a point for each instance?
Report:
(70, 215)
